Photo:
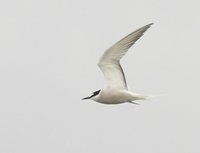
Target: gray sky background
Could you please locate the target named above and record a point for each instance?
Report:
(48, 55)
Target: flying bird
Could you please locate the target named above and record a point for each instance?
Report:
(116, 91)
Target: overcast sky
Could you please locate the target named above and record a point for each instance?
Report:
(49, 51)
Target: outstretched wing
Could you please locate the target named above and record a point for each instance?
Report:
(109, 63)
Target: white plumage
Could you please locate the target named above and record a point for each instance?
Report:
(116, 90)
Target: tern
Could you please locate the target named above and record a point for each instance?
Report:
(115, 90)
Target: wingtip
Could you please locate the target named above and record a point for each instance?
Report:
(150, 24)
(147, 26)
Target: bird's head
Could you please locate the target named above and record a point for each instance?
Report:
(94, 94)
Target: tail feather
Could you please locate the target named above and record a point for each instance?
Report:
(153, 96)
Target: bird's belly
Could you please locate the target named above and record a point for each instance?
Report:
(113, 97)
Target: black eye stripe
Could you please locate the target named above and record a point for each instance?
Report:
(95, 93)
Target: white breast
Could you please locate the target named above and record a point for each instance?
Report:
(113, 96)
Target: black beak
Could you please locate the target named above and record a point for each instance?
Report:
(86, 98)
